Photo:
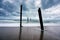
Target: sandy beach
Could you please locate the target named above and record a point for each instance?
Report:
(51, 32)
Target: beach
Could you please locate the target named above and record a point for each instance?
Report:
(33, 32)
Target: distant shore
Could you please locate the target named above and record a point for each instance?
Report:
(27, 24)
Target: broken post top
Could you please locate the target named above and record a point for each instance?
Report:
(21, 5)
(39, 10)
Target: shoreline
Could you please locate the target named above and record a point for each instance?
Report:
(27, 24)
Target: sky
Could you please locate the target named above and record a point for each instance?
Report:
(50, 9)
(10, 9)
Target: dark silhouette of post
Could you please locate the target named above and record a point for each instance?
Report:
(21, 16)
(20, 22)
(40, 19)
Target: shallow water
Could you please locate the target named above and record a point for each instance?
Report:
(9, 33)
(34, 33)
(30, 33)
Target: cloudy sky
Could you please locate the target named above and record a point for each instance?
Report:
(11, 8)
(51, 9)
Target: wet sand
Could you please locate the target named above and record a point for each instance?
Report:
(9, 33)
(30, 33)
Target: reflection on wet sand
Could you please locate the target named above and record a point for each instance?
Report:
(30, 33)
(20, 33)
(9, 33)
(41, 35)
(34, 33)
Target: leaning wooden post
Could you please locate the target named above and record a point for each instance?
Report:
(40, 19)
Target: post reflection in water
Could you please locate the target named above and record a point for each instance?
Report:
(28, 33)
(20, 34)
(41, 35)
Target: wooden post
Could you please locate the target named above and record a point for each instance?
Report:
(21, 16)
(20, 22)
(40, 19)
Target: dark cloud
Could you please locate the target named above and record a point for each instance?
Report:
(49, 3)
(9, 10)
(8, 7)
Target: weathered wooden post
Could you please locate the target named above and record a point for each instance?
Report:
(21, 16)
(40, 19)
(20, 22)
